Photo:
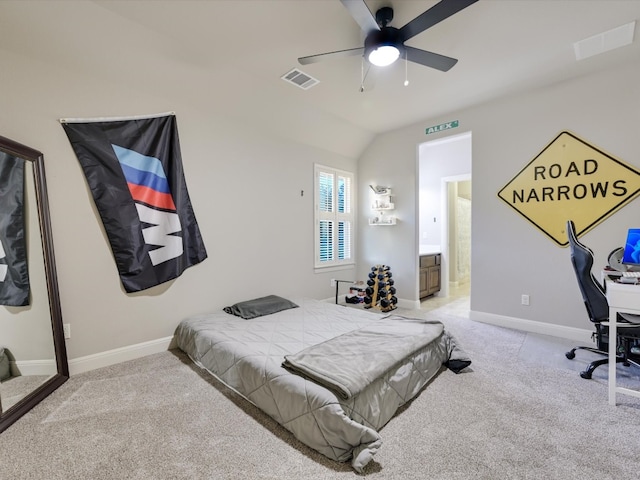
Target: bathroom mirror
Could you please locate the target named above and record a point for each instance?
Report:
(33, 357)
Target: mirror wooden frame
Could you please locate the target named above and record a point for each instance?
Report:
(12, 414)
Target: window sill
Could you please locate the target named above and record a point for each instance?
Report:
(335, 268)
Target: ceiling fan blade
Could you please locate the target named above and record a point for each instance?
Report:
(361, 14)
(321, 57)
(440, 11)
(430, 59)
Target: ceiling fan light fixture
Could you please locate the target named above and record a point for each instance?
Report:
(384, 55)
(383, 47)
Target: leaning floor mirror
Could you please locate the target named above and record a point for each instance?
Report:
(33, 357)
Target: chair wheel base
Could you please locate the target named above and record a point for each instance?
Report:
(586, 375)
(570, 355)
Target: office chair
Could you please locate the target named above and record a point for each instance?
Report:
(597, 307)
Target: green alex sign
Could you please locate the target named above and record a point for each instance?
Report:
(441, 127)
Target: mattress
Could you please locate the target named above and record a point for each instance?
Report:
(248, 356)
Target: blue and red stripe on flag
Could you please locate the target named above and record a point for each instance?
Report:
(146, 179)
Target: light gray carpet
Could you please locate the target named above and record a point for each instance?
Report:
(509, 416)
(14, 389)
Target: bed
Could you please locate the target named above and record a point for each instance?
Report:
(331, 375)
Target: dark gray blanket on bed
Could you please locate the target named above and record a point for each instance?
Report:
(350, 362)
(260, 306)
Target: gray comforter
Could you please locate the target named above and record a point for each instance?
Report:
(348, 363)
(247, 355)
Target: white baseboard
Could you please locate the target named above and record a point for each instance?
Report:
(118, 355)
(409, 304)
(570, 333)
(33, 367)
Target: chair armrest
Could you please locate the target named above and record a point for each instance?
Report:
(631, 318)
(621, 324)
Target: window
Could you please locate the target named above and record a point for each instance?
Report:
(334, 217)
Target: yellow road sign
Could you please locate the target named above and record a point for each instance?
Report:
(571, 180)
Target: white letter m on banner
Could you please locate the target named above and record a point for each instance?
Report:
(165, 223)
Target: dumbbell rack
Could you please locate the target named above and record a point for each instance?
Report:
(380, 292)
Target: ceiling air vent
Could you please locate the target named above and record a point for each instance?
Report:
(300, 79)
(605, 41)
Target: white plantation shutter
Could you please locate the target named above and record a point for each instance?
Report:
(334, 216)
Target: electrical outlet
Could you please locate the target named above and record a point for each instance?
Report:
(333, 282)
(525, 299)
(67, 330)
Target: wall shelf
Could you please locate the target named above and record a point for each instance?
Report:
(382, 203)
(382, 221)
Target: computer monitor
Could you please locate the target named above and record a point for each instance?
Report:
(631, 255)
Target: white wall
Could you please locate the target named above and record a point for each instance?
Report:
(511, 257)
(391, 161)
(245, 187)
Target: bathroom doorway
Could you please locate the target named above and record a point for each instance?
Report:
(444, 172)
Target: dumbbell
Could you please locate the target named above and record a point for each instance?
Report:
(388, 291)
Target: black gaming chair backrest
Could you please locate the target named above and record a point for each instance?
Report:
(592, 292)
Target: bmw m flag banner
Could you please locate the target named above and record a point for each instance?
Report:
(134, 170)
(14, 273)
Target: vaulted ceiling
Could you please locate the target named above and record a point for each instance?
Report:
(228, 56)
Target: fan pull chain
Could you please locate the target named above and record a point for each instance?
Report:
(362, 75)
(406, 74)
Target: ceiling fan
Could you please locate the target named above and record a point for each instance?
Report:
(384, 44)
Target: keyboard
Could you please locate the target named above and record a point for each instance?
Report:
(631, 274)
